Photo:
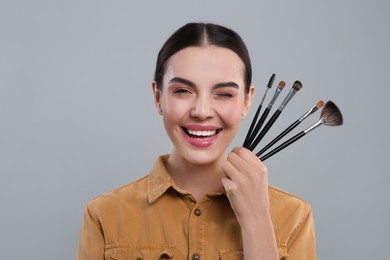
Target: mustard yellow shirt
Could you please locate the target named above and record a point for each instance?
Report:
(152, 218)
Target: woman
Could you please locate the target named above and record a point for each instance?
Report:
(200, 202)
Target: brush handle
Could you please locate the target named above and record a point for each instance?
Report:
(283, 145)
(252, 126)
(265, 129)
(280, 136)
(257, 127)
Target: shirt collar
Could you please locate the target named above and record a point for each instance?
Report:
(159, 181)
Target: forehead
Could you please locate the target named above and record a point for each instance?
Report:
(206, 63)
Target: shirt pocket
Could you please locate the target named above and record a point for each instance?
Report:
(231, 255)
(239, 255)
(124, 252)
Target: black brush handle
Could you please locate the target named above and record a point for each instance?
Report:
(280, 136)
(257, 127)
(266, 128)
(252, 126)
(283, 145)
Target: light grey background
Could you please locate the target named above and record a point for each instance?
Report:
(77, 116)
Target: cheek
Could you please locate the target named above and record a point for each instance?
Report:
(232, 114)
(174, 110)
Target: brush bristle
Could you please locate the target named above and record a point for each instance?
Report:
(282, 84)
(271, 81)
(320, 104)
(331, 114)
(297, 85)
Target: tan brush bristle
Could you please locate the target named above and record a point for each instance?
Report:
(282, 84)
(297, 85)
(320, 104)
(331, 114)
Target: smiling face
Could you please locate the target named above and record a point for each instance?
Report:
(202, 101)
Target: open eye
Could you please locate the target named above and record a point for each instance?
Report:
(181, 91)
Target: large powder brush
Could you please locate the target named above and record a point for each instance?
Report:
(330, 116)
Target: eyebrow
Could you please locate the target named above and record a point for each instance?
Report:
(183, 81)
(189, 83)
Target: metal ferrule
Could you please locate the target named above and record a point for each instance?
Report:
(287, 98)
(308, 113)
(319, 123)
(277, 92)
(265, 94)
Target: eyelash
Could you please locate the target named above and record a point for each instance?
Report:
(181, 91)
(227, 95)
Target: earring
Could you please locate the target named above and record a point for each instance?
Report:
(243, 115)
(160, 111)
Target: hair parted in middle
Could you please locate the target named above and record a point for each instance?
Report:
(203, 34)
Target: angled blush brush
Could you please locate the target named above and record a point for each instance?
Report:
(295, 88)
(259, 124)
(253, 123)
(291, 127)
(330, 116)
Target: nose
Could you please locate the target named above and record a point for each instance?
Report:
(202, 108)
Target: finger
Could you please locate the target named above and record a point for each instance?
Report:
(250, 159)
(247, 155)
(235, 159)
(230, 171)
(239, 162)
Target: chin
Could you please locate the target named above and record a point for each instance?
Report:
(203, 157)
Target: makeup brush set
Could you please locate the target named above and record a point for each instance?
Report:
(329, 116)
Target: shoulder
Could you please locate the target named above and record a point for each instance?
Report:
(135, 195)
(114, 200)
(289, 214)
(282, 200)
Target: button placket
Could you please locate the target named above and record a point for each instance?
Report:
(197, 226)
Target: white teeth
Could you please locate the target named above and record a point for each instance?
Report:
(202, 133)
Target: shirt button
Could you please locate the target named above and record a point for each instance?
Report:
(197, 212)
(195, 257)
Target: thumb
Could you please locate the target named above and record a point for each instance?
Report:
(228, 184)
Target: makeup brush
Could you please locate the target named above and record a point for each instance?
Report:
(253, 123)
(280, 87)
(291, 127)
(295, 88)
(330, 116)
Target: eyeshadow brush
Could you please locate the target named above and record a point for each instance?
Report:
(295, 88)
(330, 116)
(253, 123)
(291, 127)
(259, 124)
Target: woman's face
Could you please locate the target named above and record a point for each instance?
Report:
(202, 101)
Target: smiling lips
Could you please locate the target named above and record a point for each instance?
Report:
(201, 136)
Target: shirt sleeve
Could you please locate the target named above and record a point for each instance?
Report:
(302, 243)
(91, 243)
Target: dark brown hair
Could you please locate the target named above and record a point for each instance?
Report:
(201, 34)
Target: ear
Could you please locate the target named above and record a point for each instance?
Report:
(157, 96)
(248, 100)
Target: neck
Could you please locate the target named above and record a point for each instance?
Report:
(197, 179)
